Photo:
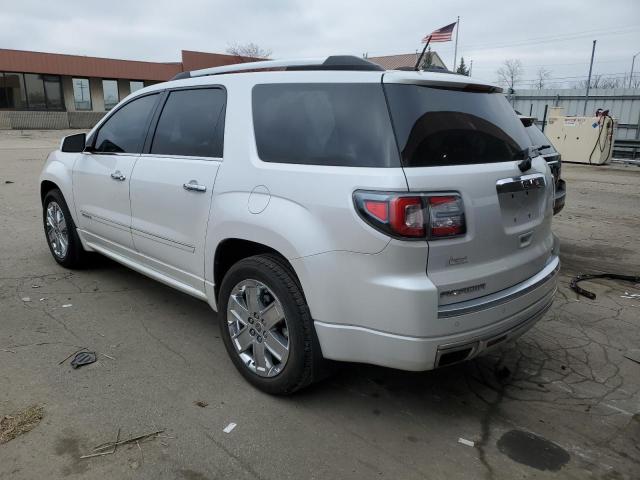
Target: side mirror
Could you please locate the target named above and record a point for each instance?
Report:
(74, 143)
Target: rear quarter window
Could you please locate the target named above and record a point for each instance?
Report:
(191, 124)
(437, 126)
(324, 124)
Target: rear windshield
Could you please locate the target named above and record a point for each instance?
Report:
(436, 126)
(538, 139)
(324, 124)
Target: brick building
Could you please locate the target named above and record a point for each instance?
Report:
(50, 90)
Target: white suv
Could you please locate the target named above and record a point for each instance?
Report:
(328, 209)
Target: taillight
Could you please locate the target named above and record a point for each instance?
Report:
(446, 216)
(407, 217)
(423, 216)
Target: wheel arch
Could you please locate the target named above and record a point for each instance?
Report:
(231, 250)
(57, 174)
(45, 187)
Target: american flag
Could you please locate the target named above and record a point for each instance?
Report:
(441, 35)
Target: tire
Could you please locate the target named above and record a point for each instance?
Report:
(73, 256)
(304, 361)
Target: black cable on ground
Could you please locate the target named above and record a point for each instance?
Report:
(588, 276)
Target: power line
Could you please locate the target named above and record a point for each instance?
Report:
(619, 74)
(528, 43)
(527, 65)
(546, 38)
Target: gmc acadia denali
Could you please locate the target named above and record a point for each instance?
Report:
(327, 209)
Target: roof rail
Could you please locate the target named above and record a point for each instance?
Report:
(334, 62)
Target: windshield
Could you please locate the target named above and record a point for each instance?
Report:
(436, 126)
(538, 138)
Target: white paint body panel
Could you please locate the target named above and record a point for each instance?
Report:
(169, 223)
(370, 297)
(102, 203)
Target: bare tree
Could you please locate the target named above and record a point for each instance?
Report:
(542, 77)
(510, 72)
(635, 80)
(248, 51)
(602, 81)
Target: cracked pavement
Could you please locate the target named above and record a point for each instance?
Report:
(567, 381)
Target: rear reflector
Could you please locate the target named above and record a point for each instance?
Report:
(422, 216)
(378, 209)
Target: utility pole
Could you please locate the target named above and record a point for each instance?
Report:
(455, 52)
(586, 97)
(470, 67)
(633, 60)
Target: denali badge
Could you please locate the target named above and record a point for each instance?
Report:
(458, 260)
(461, 291)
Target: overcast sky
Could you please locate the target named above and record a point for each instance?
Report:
(556, 34)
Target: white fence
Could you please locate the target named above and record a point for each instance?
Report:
(622, 103)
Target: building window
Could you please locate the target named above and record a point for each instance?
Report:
(35, 91)
(135, 85)
(110, 92)
(12, 92)
(81, 93)
(53, 92)
(20, 91)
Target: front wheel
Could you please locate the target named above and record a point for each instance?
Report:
(266, 325)
(60, 231)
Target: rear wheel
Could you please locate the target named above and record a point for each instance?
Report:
(266, 325)
(60, 231)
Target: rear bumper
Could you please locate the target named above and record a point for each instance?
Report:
(506, 315)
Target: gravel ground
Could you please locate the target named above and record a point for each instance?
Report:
(562, 402)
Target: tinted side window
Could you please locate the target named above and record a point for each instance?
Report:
(437, 126)
(324, 124)
(191, 123)
(125, 130)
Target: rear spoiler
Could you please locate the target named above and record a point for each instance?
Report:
(442, 80)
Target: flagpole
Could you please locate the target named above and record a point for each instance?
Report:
(455, 52)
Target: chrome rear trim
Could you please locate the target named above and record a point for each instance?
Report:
(548, 273)
(521, 184)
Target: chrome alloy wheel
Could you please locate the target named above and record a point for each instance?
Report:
(258, 328)
(57, 232)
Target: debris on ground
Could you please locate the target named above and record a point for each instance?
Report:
(464, 441)
(67, 305)
(201, 404)
(110, 447)
(35, 286)
(7, 350)
(8, 181)
(83, 358)
(229, 428)
(12, 426)
(589, 276)
(108, 452)
(71, 355)
(630, 295)
(25, 299)
(633, 355)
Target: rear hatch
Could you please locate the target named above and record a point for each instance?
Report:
(459, 137)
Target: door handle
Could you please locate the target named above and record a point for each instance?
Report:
(193, 186)
(117, 175)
